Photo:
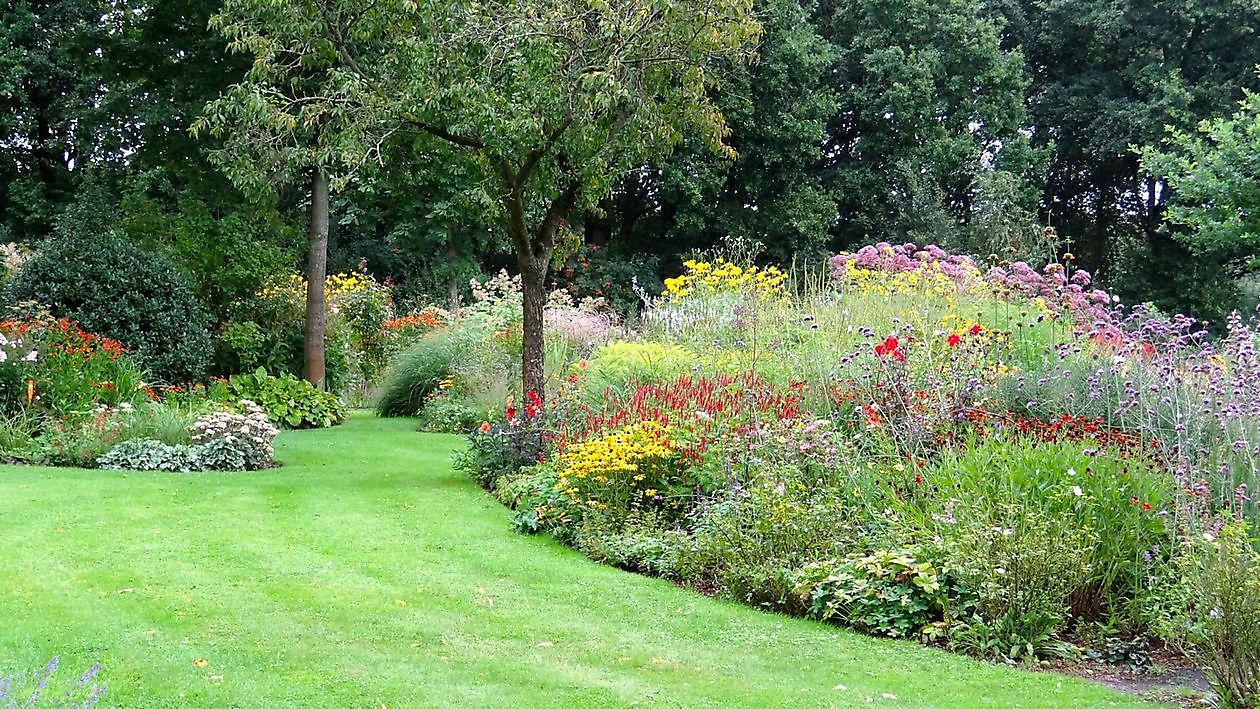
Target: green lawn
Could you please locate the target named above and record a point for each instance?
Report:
(365, 572)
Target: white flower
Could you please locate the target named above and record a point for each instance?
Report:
(1071, 472)
(1076, 490)
(999, 571)
(1209, 536)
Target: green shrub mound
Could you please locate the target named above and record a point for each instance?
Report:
(418, 371)
(116, 289)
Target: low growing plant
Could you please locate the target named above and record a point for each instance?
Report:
(288, 401)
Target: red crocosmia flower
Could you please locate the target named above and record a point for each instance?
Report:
(1146, 507)
(1134, 500)
(975, 330)
(485, 427)
(952, 340)
(511, 412)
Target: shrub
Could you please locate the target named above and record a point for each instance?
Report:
(1024, 567)
(1220, 625)
(626, 469)
(269, 330)
(500, 449)
(417, 371)
(80, 440)
(289, 401)
(1116, 499)
(118, 290)
(751, 541)
(893, 593)
(243, 439)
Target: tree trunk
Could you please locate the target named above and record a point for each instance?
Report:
(533, 297)
(316, 272)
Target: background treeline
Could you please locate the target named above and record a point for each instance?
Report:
(974, 124)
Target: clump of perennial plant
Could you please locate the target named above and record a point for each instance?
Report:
(249, 433)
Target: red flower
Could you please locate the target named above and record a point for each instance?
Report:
(1146, 507)
(872, 415)
(1134, 500)
(485, 427)
(890, 347)
(975, 330)
(952, 340)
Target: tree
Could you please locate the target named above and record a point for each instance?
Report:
(553, 99)
(265, 142)
(50, 90)
(927, 102)
(1213, 177)
(1110, 74)
(772, 192)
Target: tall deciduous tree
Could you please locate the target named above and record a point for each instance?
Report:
(927, 101)
(554, 99)
(1213, 174)
(1110, 74)
(51, 86)
(773, 191)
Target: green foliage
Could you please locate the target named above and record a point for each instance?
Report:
(1097, 90)
(227, 258)
(416, 372)
(618, 364)
(1214, 182)
(76, 371)
(893, 593)
(926, 95)
(1024, 566)
(752, 542)
(500, 450)
(773, 190)
(594, 272)
(288, 401)
(148, 454)
(78, 441)
(219, 440)
(115, 289)
(1218, 623)
(1107, 503)
(1013, 638)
